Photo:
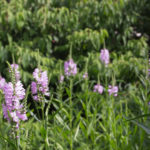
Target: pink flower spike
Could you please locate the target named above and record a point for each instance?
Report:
(98, 88)
(40, 84)
(12, 108)
(61, 79)
(104, 56)
(70, 68)
(113, 90)
(34, 88)
(15, 67)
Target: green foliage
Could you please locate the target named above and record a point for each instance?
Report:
(52, 27)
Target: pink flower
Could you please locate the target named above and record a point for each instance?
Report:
(9, 94)
(5, 112)
(113, 90)
(14, 116)
(98, 88)
(40, 84)
(70, 68)
(85, 75)
(35, 98)
(34, 88)
(19, 90)
(36, 74)
(21, 116)
(2, 83)
(61, 79)
(15, 68)
(104, 56)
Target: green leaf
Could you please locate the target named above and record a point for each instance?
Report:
(77, 132)
(146, 129)
(141, 116)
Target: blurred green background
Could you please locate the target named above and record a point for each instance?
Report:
(52, 27)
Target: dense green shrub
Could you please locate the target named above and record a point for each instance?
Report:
(53, 27)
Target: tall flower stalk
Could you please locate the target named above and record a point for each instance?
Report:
(112, 93)
(70, 69)
(60, 87)
(70, 103)
(40, 89)
(104, 56)
(13, 109)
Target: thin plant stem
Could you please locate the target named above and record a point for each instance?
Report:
(36, 106)
(44, 120)
(70, 103)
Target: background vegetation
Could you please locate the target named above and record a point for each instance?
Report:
(44, 31)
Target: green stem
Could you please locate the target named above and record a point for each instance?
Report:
(127, 124)
(17, 141)
(70, 55)
(43, 111)
(86, 82)
(70, 103)
(37, 109)
(44, 120)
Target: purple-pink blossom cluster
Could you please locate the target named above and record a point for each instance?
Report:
(13, 109)
(85, 75)
(40, 85)
(61, 79)
(113, 90)
(2, 83)
(98, 88)
(15, 69)
(70, 68)
(104, 56)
